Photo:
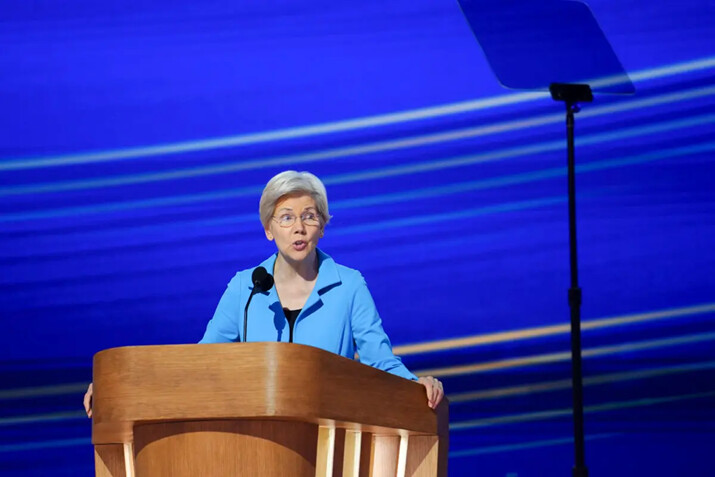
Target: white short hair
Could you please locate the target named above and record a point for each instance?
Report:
(292, 182)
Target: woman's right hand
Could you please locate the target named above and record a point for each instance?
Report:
(88, 400)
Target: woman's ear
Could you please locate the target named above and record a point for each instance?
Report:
(269, 234)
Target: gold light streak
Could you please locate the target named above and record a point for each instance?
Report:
(554, 413)
(546, 386)
(551, 330)
(532, 360)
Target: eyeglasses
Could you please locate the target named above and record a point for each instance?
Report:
(307, 218)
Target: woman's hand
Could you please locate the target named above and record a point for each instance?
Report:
(435, 391)
(88, 401)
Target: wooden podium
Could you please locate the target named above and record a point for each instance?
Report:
(259, 409)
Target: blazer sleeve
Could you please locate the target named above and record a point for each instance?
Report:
(373, 345)
(224, 326)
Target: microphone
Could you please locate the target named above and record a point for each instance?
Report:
(261, 279)
(262, 282)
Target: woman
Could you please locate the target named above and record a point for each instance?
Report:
(314, 301)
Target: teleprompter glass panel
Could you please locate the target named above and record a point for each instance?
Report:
(531, 44)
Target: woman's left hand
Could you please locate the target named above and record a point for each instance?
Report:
(435, 391)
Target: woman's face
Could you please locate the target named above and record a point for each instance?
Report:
(298, 241)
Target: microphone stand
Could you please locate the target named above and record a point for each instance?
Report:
(255, 290)
(262, 282)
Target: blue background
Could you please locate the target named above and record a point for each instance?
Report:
(136, 138)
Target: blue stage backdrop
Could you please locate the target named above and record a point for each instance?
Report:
(136, 138)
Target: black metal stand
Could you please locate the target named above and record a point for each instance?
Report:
(572, 94)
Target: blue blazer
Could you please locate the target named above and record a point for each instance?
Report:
(339, 316)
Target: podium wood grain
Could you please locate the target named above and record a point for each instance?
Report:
(257, 408)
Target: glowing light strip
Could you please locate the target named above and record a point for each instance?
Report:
(526, 445)
(276, 135)
(414, 194)
(529, 333)
(450, 216)
(648, 102)
(510, 153)
(497, 393)
(547, 386)
(668, 313)
(55, 416)
(331, 154)
(674, 69)
(548, 358)
(455, 426)
(43, 391)
(550, 414)
(81, 441)
(645, 75)
(325, 128)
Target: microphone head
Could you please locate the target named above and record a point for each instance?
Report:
(267, 282)
(261, 279)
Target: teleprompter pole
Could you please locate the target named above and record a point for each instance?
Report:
(572, 94)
